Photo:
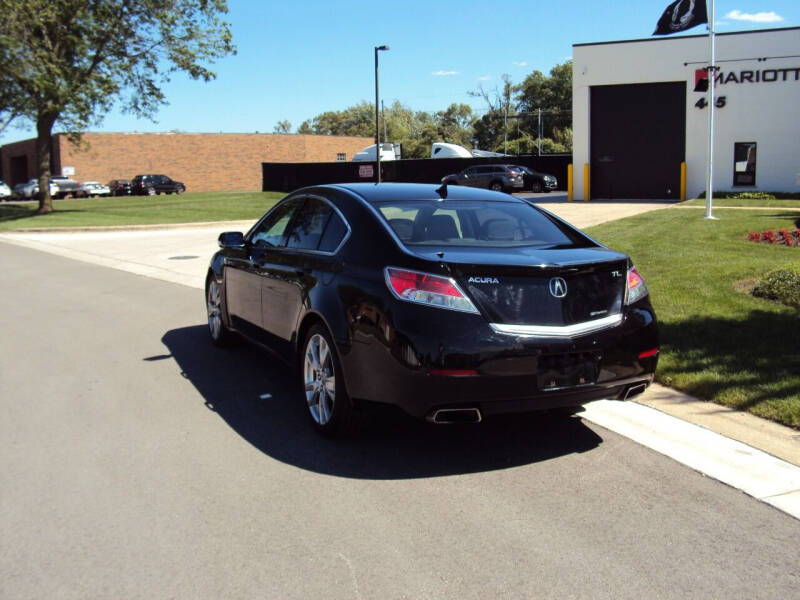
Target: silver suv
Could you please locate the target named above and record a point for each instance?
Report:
(500, 178)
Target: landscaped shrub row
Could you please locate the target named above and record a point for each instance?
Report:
(782, 236)
(720, 194)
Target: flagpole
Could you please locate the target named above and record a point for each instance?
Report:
(712, 72)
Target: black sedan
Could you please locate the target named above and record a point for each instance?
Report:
(151, 185)
(452, 303)
(536, 181)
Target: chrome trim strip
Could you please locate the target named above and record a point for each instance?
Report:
(558, 330)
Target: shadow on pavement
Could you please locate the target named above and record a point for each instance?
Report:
(256, 396)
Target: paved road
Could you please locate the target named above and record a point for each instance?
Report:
(138, 461)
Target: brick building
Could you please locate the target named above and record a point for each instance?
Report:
(203, 161)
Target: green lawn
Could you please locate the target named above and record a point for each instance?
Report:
(717, 342)
(722, 202)
(140, 210)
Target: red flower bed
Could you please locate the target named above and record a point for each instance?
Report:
(782, 237)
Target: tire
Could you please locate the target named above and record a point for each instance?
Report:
(496, 186)
(179, 190)
(220, 335)
(151, 191)
(329, 406)
(536, 187)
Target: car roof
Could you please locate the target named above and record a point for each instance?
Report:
(394, 192)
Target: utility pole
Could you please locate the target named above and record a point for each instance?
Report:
(539, 132)
(383, 116)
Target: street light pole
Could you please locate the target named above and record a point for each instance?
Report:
(377, 125)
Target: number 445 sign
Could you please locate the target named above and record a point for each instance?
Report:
(719, 102)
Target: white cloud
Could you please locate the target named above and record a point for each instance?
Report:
(759, 17)
(521, 63)
(441, 72)
(485, 78)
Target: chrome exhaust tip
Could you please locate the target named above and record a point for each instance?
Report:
(449, 416)
(634, 390)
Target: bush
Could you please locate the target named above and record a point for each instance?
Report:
(782, 286)
(742, 195)
(721, 194)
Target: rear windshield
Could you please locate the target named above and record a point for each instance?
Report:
(474, 223)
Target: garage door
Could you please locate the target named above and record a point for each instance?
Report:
(638, 140)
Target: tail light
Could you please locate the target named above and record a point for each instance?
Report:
(636, 289)
(424, 288)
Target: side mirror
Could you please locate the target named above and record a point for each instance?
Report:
(231, 239)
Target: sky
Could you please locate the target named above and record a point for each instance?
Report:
(299, 58)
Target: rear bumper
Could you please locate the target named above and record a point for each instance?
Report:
(496, 372)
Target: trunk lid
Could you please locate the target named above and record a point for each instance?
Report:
(530, 286)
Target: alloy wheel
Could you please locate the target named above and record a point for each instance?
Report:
(214, 311)
(319, 379)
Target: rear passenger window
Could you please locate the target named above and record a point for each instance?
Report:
(307, 228)
(334, 234)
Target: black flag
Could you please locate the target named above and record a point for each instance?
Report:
(682, 15)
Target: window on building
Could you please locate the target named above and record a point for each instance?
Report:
(341, 156)
(744, 163)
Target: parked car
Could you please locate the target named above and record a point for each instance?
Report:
(120, 187)
(150, 185)
(66, 186)
(5, 191)
(501, 178)
(90, 189)
(452, 304)
(537, 182)
(30, 190)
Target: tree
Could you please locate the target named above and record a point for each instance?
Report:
(454, 124)
(70, 61)
(357, 120)
(282, 127)
(493, 128)
(415, 130)
(553, 95)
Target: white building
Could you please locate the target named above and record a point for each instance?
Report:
(637, 116)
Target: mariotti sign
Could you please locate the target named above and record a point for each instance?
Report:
(762, 76)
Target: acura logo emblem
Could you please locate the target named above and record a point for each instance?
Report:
(558, 287)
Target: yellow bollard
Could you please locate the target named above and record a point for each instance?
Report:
(586, 182)
(569, 182)
(683, 181)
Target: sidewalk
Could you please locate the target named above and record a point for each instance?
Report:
(705, 436)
